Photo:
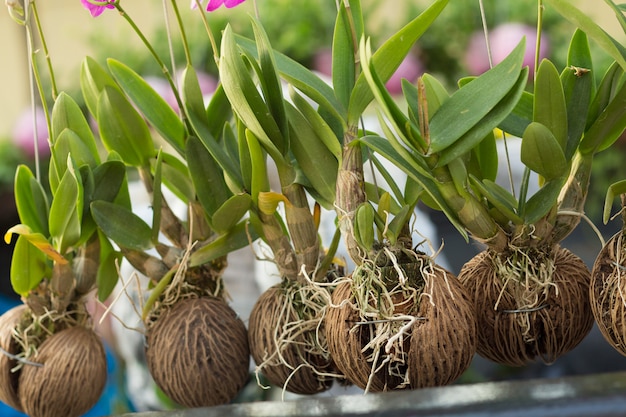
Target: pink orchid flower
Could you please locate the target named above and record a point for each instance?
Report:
(215, 4)
(95, 9)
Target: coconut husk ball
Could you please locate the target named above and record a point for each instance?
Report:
(444, 343)
(284, 342)
(72, 376)
(541, 313)
(434, 337)
(9, 379)
(197, 352)
(608, 292)
(346, 340)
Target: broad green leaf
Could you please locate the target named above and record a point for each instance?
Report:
(245, 98)
(218, 111)
(543, 200)
(468, 105)
(549, 107)
(485, 126)
(316, 161)
(578, 85)
(245, 159)
(520, 117)
(542, 153)
(122, 129)
(66, 114)
(150, 103)
(270, 84)
(436, 93)
(304, 80)
(364, 225)
(389, 56)
(93, 79)
(30, 200)
(587, 24)
(28, 267)
(107, 268)
(68, 143)
(207, 177)
(231, 212)
(66, 212)
(319, 125)
(260, 180)
(177, 179)
(484, 159)
(402, 124)
(499, 197)
(122, 226)
(237, 237)
(343, 56)
(108, 179)
(194, 107)
(609, 125)
(398, 222)
(609, 84)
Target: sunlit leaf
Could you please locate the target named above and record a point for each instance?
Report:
(30, 200)
(28, 267)
(542, 153)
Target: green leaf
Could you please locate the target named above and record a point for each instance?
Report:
(436, 93)
(484, 158)
(543, 200)
(30, 200)
(343, 65)
(499, 197)
(237, 237)
(319, 125)
(93, 79)
(176, 178)
(108, 180)
(613, 190)
(150, 103)
(364, 225)
(122, 226)
(192, 99)
(583, 21)
(270, 84)
(549, 107)
(260, 179)
(245, 98)
(28, 267)
(389, 57)
(122, 129)
(69, 143)
(207, 177)
(398, 222)
(218, 112)
(66, 114)
(231, 212)
(313, 157)
(578, 85)
(107, 268)
(609, 125)
(66, 212)
(542, 153)
(471, 103)
(485, 126)
(520, 117)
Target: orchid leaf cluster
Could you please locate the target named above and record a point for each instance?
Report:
(446, 145)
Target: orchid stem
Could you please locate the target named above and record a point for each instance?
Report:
(154, 54)
(207, 27)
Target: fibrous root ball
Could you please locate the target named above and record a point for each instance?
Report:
(197, 352)
(530, 303)
(401, 326)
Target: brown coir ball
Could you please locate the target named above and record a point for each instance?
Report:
(197, 352)
(285, 348)
(71, 379)
(514, 332)
(8, 379)
(608, 292)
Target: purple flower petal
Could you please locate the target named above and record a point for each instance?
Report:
(215, 4)
(96, 10)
